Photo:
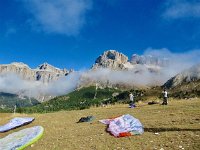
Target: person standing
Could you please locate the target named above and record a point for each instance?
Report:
(131, 100)
(15, 107)
(165, 96)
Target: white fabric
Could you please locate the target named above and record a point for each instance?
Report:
(16, 122)
(18, 139)
(124, 123)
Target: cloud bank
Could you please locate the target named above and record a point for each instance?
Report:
(176, 9)
(12, 83)
(177, 62)
(58, 16)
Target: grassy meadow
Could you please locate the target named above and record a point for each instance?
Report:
(177, 126)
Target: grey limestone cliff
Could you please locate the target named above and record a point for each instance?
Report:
(44, 72)
(111, 59)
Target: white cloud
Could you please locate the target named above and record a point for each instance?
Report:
(181, 9)
(177, 62)
(58, 16)
(12, 83)
(123, 77)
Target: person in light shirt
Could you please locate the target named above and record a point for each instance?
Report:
(132, 105)
(165, 96)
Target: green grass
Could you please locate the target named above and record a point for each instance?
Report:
(186, 90)
(76, 100)
(84, 98)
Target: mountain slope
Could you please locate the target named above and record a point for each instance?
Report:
(185, 84)
(190, 75)
(85, 98)
(8, 100)
(79, 99)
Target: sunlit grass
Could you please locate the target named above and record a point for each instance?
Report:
(177, 125)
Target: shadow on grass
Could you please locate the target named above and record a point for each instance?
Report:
(168, 129)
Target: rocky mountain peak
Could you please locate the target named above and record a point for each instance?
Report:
(117, 61)
(111, 59)
(46, 66)
(19, 64)
(44, 72)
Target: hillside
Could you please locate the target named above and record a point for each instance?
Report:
(185, 84)
(187, 76)
(178, 130)
(8, 101)
(85, 98)
(79, 99)
(186, 90)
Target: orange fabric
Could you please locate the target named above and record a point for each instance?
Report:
(123, 134)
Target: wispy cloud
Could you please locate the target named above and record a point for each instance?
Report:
(175, 9)
(58, 16)
(177, 62)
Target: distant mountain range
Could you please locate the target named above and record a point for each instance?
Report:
(112, 60)
(117, 61)
(44, 72)
(109, 59)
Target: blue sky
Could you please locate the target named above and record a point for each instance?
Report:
(73, 33)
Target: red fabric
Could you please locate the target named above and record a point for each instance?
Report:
(123, 134)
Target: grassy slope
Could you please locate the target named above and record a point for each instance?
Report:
(187, 90)
(82, 99)
(178, 124)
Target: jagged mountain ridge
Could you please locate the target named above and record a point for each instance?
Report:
(44, 72)
(116, 69)
(112, 59)
(18, 73)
